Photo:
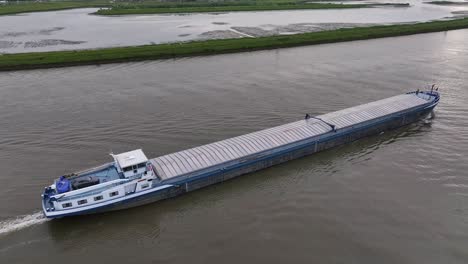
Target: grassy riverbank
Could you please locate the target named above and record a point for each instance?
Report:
(196, 48)
(156, 7)
(448, 3)
(27, 7)
(219, 7)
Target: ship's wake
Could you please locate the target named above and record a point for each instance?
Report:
(21, 222)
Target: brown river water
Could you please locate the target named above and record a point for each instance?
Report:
(400, 197)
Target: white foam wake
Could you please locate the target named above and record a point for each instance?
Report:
(21, 222)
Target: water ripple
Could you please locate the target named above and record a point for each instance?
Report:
(21, 222)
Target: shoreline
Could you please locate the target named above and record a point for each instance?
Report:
(24, 8)
(53, 59)
(127, 8)
(135, 10)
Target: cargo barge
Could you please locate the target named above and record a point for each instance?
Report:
(132, 179)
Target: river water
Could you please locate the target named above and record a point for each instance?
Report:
(78, 29)
(400, 197)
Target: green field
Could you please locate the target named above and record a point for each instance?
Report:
(219, 7)
(25, 7)
(156, 7)
(447, 3)
(195, 48)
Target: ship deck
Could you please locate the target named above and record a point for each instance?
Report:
(239, 148)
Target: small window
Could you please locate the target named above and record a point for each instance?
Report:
(113, 194)
(141, 165)
(80, 202)
(144, 186)
(66, 205)
(98, 198)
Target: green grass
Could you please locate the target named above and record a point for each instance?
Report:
(195, 48)
(219, 7)
(25, 7)
(447, 3)
(157, 7)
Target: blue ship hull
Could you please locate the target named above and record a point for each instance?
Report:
(179, 185)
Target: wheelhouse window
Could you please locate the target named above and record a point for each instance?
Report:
(81, 202)
(112, 194)
(66, 205)
(127, 169)
(142, 165)
(98, 198)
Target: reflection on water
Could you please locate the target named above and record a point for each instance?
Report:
(399, 197)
